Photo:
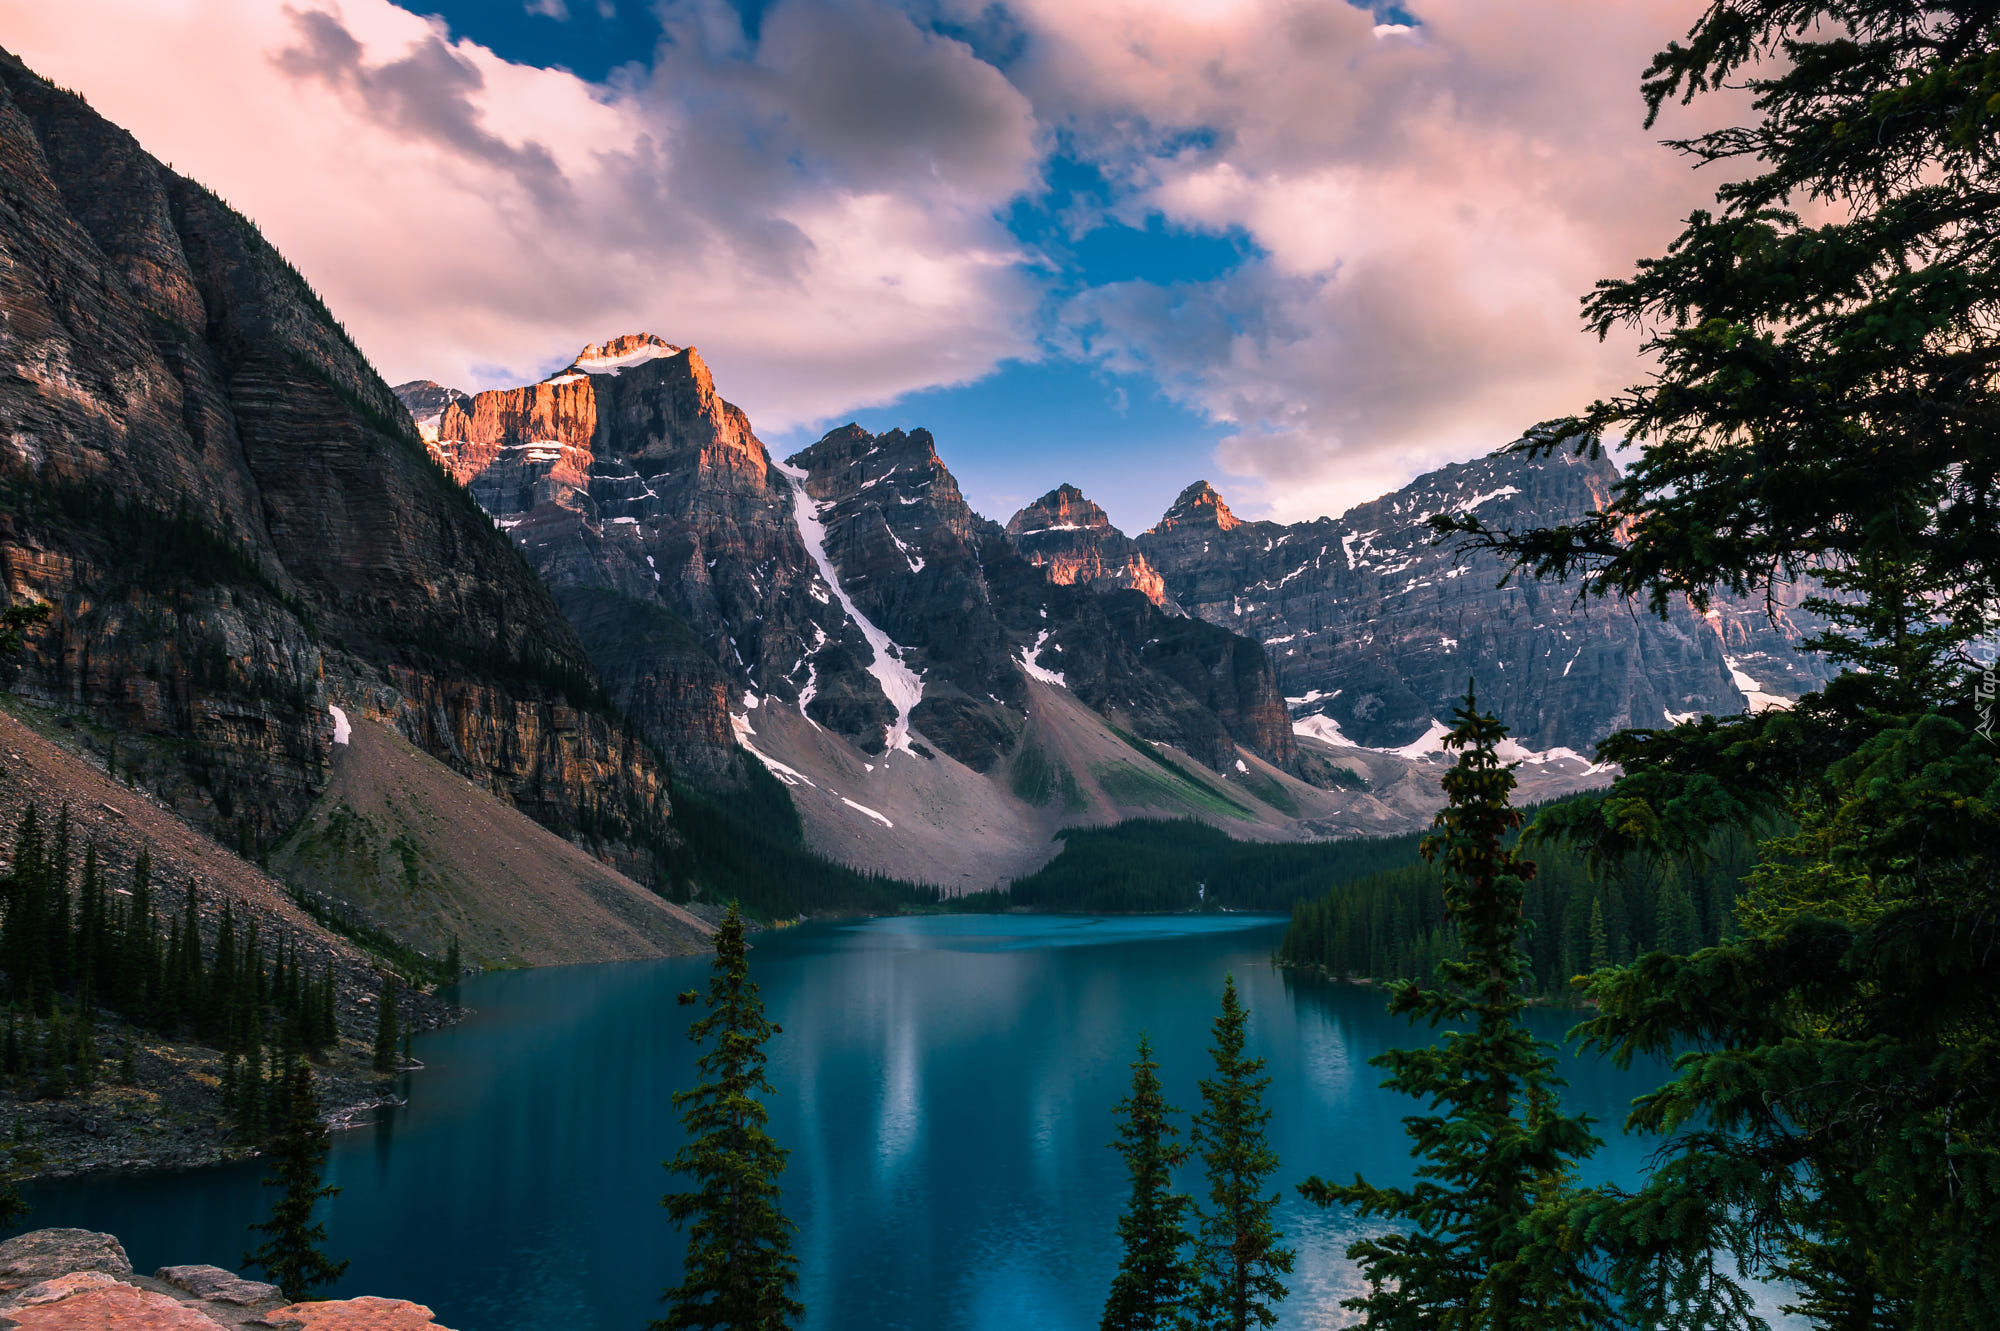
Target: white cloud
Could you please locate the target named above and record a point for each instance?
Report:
(1430, 201)
(818, 208)
(474, 220)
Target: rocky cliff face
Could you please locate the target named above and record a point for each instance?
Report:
(234, 520)
(982, 617)
(852, 583)
(646, 501)
(1074, 540)
(1375, 631)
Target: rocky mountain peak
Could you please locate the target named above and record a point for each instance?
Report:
(621, 353)
(1198, 506)
(1062, 509)
(426, 400)
(1072, 540)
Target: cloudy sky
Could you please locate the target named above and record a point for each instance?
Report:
(1301, 248)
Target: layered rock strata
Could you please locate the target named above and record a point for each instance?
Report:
(851, 582)
(235, 522)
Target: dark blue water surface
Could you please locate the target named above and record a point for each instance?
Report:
(944, 1083)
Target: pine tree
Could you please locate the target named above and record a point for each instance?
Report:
(385, 1025)
(1680, 930)
(22, 937)
(85, 1053)
(90, 923)
(55, 907)
(453, 967)
(1495, 1154)
(1600, 942)
(251, 1100)
(1818, 406)
(1238, 1258)
(739, 1271)
(1155, 1280)
(12, 1209)
(292, 1253)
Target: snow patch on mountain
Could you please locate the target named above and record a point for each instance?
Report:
(791, 776)
(863, 808)
(1754, 697)
(1030, 662)
(601, 364)
(900, 684)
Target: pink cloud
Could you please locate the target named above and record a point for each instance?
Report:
(818, 208)
(1431, 202)
(475, 220)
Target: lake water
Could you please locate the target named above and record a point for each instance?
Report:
(944, 1083)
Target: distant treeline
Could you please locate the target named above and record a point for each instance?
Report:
(1391, 925)
(1150, 864)
(1371, 908)
(746, 845)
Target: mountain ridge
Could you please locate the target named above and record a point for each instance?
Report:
(236, 525)
(864, 622)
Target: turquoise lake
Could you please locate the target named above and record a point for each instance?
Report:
(944, 1084)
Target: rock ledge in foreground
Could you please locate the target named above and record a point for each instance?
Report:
(61, 1279)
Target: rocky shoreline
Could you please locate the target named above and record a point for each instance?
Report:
(172, 1116)
(71, 1278)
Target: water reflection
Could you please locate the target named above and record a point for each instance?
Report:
(945, 1087)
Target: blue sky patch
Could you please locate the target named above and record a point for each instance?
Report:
(1026, 428)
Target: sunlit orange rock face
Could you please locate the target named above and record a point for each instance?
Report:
(1073, 540)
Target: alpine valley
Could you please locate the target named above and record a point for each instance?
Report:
(593, 599)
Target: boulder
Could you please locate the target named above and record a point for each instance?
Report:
(366, 1313)
(44, 1254)
(217, 1285)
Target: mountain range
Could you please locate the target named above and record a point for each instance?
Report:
(592, 595)
(941, 693)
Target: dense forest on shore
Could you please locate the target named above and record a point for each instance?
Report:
(1391, 925)
(1372, 909)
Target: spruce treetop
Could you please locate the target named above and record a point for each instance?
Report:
(739, 1270)
(1496, 1155)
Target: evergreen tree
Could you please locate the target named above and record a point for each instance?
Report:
(1496, 1156)
(739, 1271)
(453, 967)
(1600, 941)
(90, 923)
(385, 1025)
(22, 938)
(1154, 1281)
(85, 1054)
(250, 1094)
(55, 907)
(292, 1253)
(1238, 1258)
(1820, 407)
